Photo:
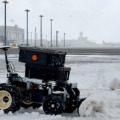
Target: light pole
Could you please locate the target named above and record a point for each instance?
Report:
(35, 36)
(31, 38)
(51, 31)
(5, 2)
(56, 38)
(64, 39)
(27, 25)
(41, 30)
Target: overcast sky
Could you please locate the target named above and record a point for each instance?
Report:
(98, 19)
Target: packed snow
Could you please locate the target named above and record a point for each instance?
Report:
(98, 79)
(105, 104)
(115, 84)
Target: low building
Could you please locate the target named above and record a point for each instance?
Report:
(82, 41)
(14, 34)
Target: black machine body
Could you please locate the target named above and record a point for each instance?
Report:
(45, 83)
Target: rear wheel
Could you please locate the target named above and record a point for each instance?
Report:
(10, 98)
(35, 105)
(28, 105)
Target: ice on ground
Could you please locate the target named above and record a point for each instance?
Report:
(115, 84)
(100, 80)
(105, 104)
(35, 113)
(93, 75)
(1, 112)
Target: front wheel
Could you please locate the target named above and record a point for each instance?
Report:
(72, 102)
(71, 105)
(53, 105)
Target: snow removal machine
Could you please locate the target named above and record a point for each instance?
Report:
(45, 83)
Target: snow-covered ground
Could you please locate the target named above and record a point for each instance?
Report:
(97, 78)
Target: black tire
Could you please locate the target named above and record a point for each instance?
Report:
(53, 105)
(33, 105)
(72, 103)
(10, 98)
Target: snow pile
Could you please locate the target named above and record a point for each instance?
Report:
(115, 84)
(1, 112)
(101, 104)
(100, 80)
(35, 113)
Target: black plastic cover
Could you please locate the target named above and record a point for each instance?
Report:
(47, 73)
(46, 57)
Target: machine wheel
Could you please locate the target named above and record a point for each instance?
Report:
(53, 105)
(10, 98)
(72, 103)
(33, 105)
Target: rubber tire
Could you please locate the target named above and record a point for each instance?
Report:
(72, 103)
(33, 105)
(16, 98)
(50, 111)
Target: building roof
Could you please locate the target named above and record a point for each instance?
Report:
(12, 28)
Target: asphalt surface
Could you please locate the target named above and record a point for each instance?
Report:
(78, 51)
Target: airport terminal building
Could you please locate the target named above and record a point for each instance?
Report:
(14, 34)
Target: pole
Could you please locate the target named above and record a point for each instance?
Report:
(31, 38)
(51, 31)
(5, 2)
(27, 25)
(56, 38)
(35, 36)
(41, 30)
(64, 39)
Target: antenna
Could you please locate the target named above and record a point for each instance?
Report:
(5, 49)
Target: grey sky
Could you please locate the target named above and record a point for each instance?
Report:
(97, 19)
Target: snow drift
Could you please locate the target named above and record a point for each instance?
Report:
(101, 104)
(115, 84)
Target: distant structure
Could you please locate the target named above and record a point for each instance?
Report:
(81, 37)
(15, 35)
(111, 44)
(82, 41)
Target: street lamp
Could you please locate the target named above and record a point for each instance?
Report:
(51, 31)
(64, 39)
(5, 2)
(41, 30)
(31, 38)
(35, 36)
(27, 25)
(56, 38)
